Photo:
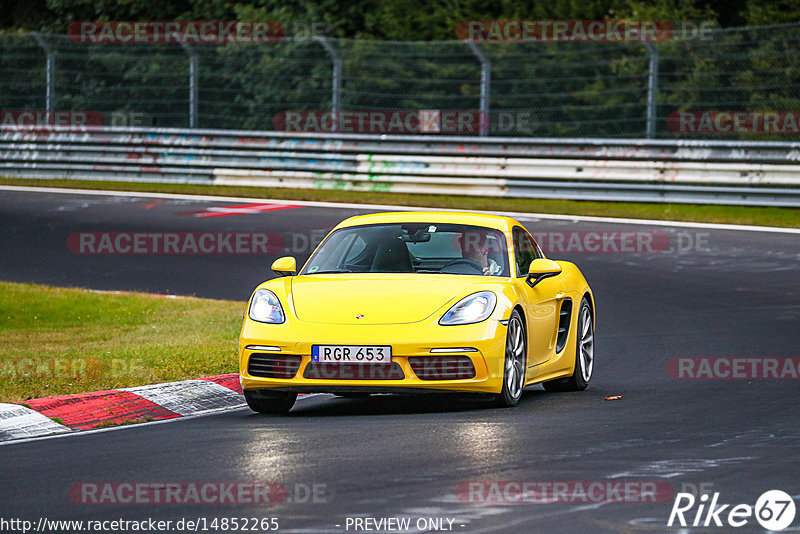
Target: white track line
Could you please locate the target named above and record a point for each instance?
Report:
(345, 205)
(74, 433)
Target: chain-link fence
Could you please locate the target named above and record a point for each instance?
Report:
(523, 88)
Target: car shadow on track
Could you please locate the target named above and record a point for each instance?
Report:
(322, 406)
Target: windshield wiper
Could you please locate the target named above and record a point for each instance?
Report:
(332, 271)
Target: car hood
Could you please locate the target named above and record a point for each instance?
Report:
(374, 299)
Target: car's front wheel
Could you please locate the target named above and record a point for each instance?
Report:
(272, 402)
(515, 359)
(584, 355)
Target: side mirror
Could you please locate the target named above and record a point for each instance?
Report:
(540, 269)
(285, 266)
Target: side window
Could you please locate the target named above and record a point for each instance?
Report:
(525, 250)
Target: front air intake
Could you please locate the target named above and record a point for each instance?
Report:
(442, 367)
(273, 365)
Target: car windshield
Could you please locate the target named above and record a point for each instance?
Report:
(412, 248)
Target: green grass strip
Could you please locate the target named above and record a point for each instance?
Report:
(57, 341)
(751, 215)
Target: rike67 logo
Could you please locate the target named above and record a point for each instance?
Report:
(774, 510)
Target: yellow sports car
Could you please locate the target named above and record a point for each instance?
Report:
(418, 301)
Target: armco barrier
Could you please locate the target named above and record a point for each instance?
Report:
(717, 172)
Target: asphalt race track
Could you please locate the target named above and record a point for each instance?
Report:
(716, 293)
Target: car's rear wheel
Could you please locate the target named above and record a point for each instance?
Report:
(584, 355)
(515, 360)
(266, 401)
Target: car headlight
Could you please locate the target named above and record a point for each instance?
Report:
(471, 309)
(266, 308)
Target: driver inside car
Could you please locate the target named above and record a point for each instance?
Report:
(475, 247)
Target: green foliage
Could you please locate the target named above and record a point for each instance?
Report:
(405, 55)
(766, 13)
(399, 20)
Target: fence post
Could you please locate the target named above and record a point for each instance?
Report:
(51, 71)
(486, 81)
(336, 96)
(193, 83)
(652, 90)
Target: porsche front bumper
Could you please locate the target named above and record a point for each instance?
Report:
(421, 346)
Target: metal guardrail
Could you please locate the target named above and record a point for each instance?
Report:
(713, 172)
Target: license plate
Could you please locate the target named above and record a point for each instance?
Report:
(351, 353)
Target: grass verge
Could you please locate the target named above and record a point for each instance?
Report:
(761, 216)
(57, 341)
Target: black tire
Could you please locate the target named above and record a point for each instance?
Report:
(271, 402)
(516, 359)
(584, 354)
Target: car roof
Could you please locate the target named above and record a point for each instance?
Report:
(498, 222)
